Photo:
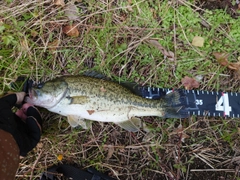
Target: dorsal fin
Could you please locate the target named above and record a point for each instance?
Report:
(132, 86)
(95, 74)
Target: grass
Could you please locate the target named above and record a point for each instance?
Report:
(114, 40)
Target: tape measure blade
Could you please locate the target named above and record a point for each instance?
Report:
(202, 103)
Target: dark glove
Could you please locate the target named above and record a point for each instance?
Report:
(29, 129)
(26, 133)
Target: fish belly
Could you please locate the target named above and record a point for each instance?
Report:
(112, 114)
(103, 115)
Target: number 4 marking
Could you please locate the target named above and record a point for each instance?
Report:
(223, 105)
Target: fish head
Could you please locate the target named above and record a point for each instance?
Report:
(48, 95)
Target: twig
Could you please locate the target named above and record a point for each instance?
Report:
(35, 163)
(213, 170)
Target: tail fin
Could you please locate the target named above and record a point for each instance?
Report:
(176, 98)
(175, 112)
(175, 103)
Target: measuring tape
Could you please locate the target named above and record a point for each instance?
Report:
(201, 103)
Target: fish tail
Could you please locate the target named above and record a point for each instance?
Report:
(175, 103)
(175, 112)
(175, 98)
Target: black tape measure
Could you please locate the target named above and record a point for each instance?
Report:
(201, 103)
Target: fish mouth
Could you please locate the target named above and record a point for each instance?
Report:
(32, 93)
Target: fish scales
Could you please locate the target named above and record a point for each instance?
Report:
(82, 97)
(108, 91)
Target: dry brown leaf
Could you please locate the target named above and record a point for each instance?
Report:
(234, 66)
(90, 112)
(71, 30)
(198, 41)
(190, 83)
(222, 58)
(170, 55)
(110, 152)
(59, 2)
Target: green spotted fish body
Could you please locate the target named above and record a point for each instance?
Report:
(83, 97)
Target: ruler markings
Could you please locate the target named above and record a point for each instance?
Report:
(200, 102)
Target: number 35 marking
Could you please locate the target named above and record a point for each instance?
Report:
(199, 102)
(223, 105)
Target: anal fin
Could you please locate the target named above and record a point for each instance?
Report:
(131, 125)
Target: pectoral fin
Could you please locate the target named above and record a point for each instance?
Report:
(75, 121)
(79, 99)
(131, 125)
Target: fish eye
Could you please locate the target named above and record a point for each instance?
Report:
(40, 85)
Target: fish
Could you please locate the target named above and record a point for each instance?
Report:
(82, 98)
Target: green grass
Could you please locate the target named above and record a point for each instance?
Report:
(114, 40)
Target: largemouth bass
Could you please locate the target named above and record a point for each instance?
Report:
(83, 97)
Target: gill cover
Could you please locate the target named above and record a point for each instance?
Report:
(49, 94)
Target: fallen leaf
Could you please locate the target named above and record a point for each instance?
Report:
(198, 41)
(59, 2)
(110, 151)
(90, 112)
(222, 58)
(190, 83)
(71, 30)
(234, 66)
(71, 11)
(169, 54)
